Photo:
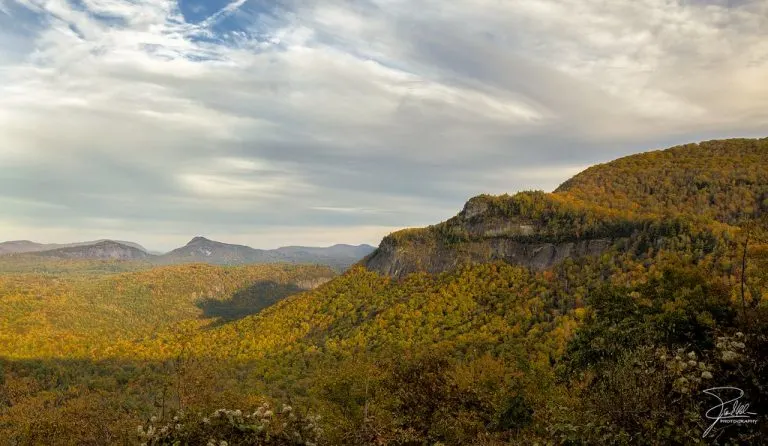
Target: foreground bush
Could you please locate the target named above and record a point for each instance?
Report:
(265, 426)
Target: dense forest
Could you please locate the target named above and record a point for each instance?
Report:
(612, 348)
(725, 180)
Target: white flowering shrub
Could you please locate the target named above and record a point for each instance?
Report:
(691, 372)
(686, 369)
(264, 426)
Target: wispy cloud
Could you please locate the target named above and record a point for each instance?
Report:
(223, 12)
(242, 117)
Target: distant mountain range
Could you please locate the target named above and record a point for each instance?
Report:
(106, 249)
(198, 250)
(24, 246)
(201, 249)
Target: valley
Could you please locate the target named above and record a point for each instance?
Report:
(533, 318)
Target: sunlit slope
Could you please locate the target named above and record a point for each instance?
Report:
(613, 201)
(654, 195)
(479, 306)
(726, 180)
(76, 316)
(34, 264)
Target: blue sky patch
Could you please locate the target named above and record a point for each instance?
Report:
(21, 20)
(196, 11)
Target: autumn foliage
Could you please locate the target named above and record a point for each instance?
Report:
(614, 348)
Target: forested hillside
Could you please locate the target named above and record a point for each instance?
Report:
(29, 263)
(592, 315)
(724, 180)
(71, 316)
(694, 189)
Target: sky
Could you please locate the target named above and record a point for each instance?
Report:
(310, 122)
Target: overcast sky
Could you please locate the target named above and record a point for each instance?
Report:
(315, 122)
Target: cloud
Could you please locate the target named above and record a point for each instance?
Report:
(161, 120)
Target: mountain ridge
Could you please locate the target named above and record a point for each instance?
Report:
(201, 248)
(607, 206)
(198, 249)
(26, 246)
(107, 249)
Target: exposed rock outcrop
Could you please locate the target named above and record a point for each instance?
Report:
(398, 260)
(480, 233)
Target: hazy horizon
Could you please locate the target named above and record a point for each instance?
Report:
(171, 247)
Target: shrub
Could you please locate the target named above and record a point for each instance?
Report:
(265, 426)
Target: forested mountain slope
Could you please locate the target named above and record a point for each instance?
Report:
(725, 180)
(70, 315)
(645, 198)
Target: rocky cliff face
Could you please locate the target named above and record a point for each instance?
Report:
(311, 284)
(398, 260)
(477, 234)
